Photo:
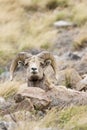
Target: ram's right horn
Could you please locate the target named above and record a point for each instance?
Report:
(20, 57)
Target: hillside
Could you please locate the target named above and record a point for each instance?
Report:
(29, 25)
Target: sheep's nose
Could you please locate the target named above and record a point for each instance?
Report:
(34, 69)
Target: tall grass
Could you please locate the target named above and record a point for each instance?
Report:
(79, 13)
(27, 24)
(8, 89)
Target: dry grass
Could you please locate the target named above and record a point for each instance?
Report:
(38, 32)
(27, 126)
(63, 15)
(27, 24)
(69, 118)
(20, 30)
(43, 4)
(8, 89)
(79, 14)
(24, 120)
(73, 117)
(80, 40)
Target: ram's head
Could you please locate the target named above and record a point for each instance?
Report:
(35, 64)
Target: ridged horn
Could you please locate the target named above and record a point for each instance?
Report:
(20, 57)
(47, 55)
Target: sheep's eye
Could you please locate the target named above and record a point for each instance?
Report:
(20, 63)
(42, 64)
(48, 62)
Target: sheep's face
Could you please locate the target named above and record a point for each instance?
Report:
(35, 68)
(35, 64)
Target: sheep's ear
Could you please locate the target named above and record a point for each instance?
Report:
(47, 62)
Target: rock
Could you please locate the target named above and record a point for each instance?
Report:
(62, 23)
(3, 125)
(3, 103)
(82, 85)
(73, 56)
(6, 125)
(68, 78)
(58, 96)
(4, 76)
(64, 41)
(81, 66)
(19, 116)
(62, 97)
(25, 104)
(32, 97)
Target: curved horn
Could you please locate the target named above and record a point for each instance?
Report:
(47, 55)
(20, 57)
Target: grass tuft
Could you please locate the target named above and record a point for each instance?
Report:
(63, 15)
(81, 40)
(79, 15)
(8, 89)
(1, 70)
(52, 4)
(70, 118)
(45, 46)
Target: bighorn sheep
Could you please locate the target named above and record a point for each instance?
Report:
(36, 65)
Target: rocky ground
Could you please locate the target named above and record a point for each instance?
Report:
(72, 74)
(44, 27)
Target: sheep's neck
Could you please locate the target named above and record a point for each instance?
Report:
(38, 83)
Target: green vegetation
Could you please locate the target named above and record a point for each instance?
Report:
(1, 70)
(66, 119)
(52, 4)
(46, 46)
(63, 14)
(36, 5)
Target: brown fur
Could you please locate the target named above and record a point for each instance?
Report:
(35, 67)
